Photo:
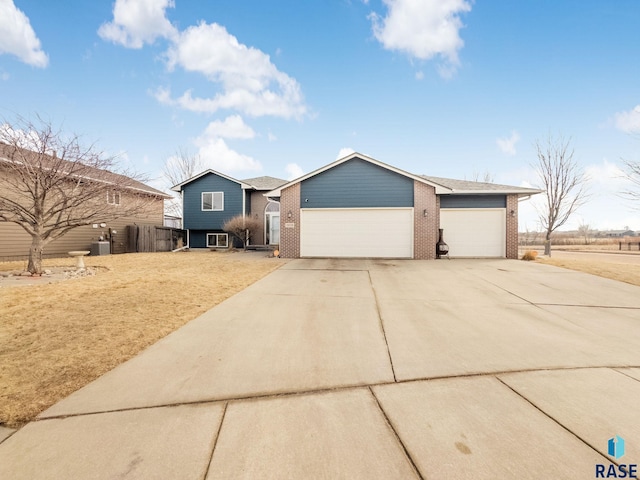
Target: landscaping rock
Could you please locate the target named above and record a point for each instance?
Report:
(25, 274)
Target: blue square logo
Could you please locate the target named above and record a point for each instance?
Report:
(616, 447)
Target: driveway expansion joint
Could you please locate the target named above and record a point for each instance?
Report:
(395, 433)
(384, 334)
(215, 441)
(557, 422)
(328, 390)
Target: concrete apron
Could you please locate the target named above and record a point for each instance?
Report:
(365, 369)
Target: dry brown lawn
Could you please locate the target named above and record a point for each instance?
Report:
(629, 273)
(58, 337)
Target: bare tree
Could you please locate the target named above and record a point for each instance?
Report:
(563, 181)
(632, 173)
(486, 177)
(51, 184)
(180, 166)
(242, 227)
(584, 230)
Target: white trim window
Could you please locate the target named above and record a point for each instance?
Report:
(212, 201)
(113, 197)
(218, 240)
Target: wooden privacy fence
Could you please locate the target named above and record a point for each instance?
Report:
(146, 238)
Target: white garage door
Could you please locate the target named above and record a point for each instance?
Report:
(474, 232)
(356, 232)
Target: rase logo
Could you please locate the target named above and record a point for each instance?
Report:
(615, 449)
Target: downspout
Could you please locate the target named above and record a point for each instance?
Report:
(182, 219)
(244, 214)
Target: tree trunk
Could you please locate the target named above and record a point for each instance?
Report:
(547, 245)
(35, 255)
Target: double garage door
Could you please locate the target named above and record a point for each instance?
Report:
(356, 232)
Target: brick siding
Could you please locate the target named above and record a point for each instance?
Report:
(425, 228)
(290, 237)
(512, 227)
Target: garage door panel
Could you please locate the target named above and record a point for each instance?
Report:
(374, 233)
(474, 232)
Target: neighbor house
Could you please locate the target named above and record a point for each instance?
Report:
(15, 242)
(211, 198)
(360, 207)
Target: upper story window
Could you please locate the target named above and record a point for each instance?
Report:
(113, 197)
(212, 201)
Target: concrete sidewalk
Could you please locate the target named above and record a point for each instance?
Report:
(365, 369)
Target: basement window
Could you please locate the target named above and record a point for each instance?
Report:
(217, 240)
(212, 201)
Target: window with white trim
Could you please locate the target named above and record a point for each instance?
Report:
(212, 201)
(218, 240)
(113, 197)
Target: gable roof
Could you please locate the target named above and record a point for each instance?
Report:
(439, 188)
(469, 188)
(53, 162)
(265, 182)
(178, 187)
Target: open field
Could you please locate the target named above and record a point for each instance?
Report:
(624, 268)
(58, 337)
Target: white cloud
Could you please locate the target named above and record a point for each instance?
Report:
(419, 75)
(508, 145)
(271, 137)
(423, 29)
(250, 82)
(216, 154)
(606, 177)
(629, 122)
(18, 38)
(230, 127)
(136, 22)
(344, 152)
(293, 171)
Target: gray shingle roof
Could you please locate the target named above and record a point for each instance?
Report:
(265, 183)
(466, 185)
(8, 152)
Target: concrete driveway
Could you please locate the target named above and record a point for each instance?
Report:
(366, 369)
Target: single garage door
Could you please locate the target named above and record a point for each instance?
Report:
(356, 232)
(474, 232)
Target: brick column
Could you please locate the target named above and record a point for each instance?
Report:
(290, 236)
(425, 229)
(512, 227)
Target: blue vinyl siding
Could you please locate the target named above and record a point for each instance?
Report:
(473, 201)
(356, 184)
(195, 218)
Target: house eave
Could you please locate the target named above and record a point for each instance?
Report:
(438, 188)
(494, 192)
(178, 187)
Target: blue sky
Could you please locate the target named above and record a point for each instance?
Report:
(450, 88)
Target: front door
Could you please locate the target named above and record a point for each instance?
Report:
(274, 229)
(272, 223)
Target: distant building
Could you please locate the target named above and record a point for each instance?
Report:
(619, 233)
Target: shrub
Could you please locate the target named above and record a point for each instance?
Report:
(241, 227)
(530, 255)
